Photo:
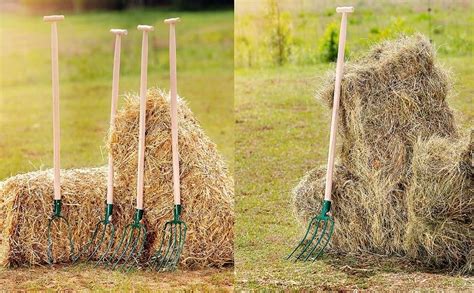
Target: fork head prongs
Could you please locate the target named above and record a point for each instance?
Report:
(104, 233)
(171, 246)
(131, 245)
(317, 236)
(56, 222)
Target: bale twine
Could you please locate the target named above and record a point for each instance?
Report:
(206, 191)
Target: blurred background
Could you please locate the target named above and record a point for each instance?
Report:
(85, 5)
(204, 59)
(305, 32)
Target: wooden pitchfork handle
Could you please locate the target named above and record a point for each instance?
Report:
(53, 19)
(141, 137)
(174, 109)
(113, 108)
(337, 93)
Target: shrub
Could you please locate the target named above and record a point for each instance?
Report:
(279, 25)
(329, 43)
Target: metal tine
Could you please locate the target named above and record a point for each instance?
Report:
(168, 260)
(326, 242)
(136, 258)
(96, 244)
(302, 240)
(119, 248)
(133, 248)
(164, 260)
(109, 247)
(310, 242)
(50, 241)
(102, 239)
(317, 242)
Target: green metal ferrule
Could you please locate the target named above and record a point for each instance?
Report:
(57, 204)
(326, 208)
(138, 217)
(177, 212)
(108, 212)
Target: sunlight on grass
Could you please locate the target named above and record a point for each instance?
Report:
(205, 79)
(282, 132)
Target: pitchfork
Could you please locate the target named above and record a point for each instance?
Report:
(133, 239)
(99, 235)
(321, 227)
(174, 232)
(56, 217)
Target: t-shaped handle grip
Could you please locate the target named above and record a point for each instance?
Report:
(345, 9)
(119, 32)
(172, 20)
(53, 18)
(145, 28)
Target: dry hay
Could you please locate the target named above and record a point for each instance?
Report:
(206, 187)
(441, 204)
(206, 190)
(390, 98)
(27, 205)
(358, 228)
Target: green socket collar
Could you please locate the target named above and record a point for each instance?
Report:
(177, 213)
(57, 204)
(138, 217)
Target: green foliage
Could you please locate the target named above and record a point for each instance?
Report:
(202, 4)
(396, 27)
(366, 27)
(279, 36)
(329, 43)
(76, 5)
(205, 79)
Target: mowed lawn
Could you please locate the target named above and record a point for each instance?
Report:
(282, 132)
(205, 79)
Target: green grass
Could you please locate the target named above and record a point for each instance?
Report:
(282, 132)
(370, 23)
(205, 79)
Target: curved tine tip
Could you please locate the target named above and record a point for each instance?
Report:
(145, 28)
(53, 18)
(172, 20)
(119, 31)
(347, 9)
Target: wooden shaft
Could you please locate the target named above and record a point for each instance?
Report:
(115, 90)
(335, 107)
(56, 120)
(141, 137)
(174, 115)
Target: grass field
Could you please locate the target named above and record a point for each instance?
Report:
(205, 79)
(281, 133)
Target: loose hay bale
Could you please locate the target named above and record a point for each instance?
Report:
(390, 99)
(441, 205)
(358, 227)
(206, 190)
(206, 187)
(27, 205)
